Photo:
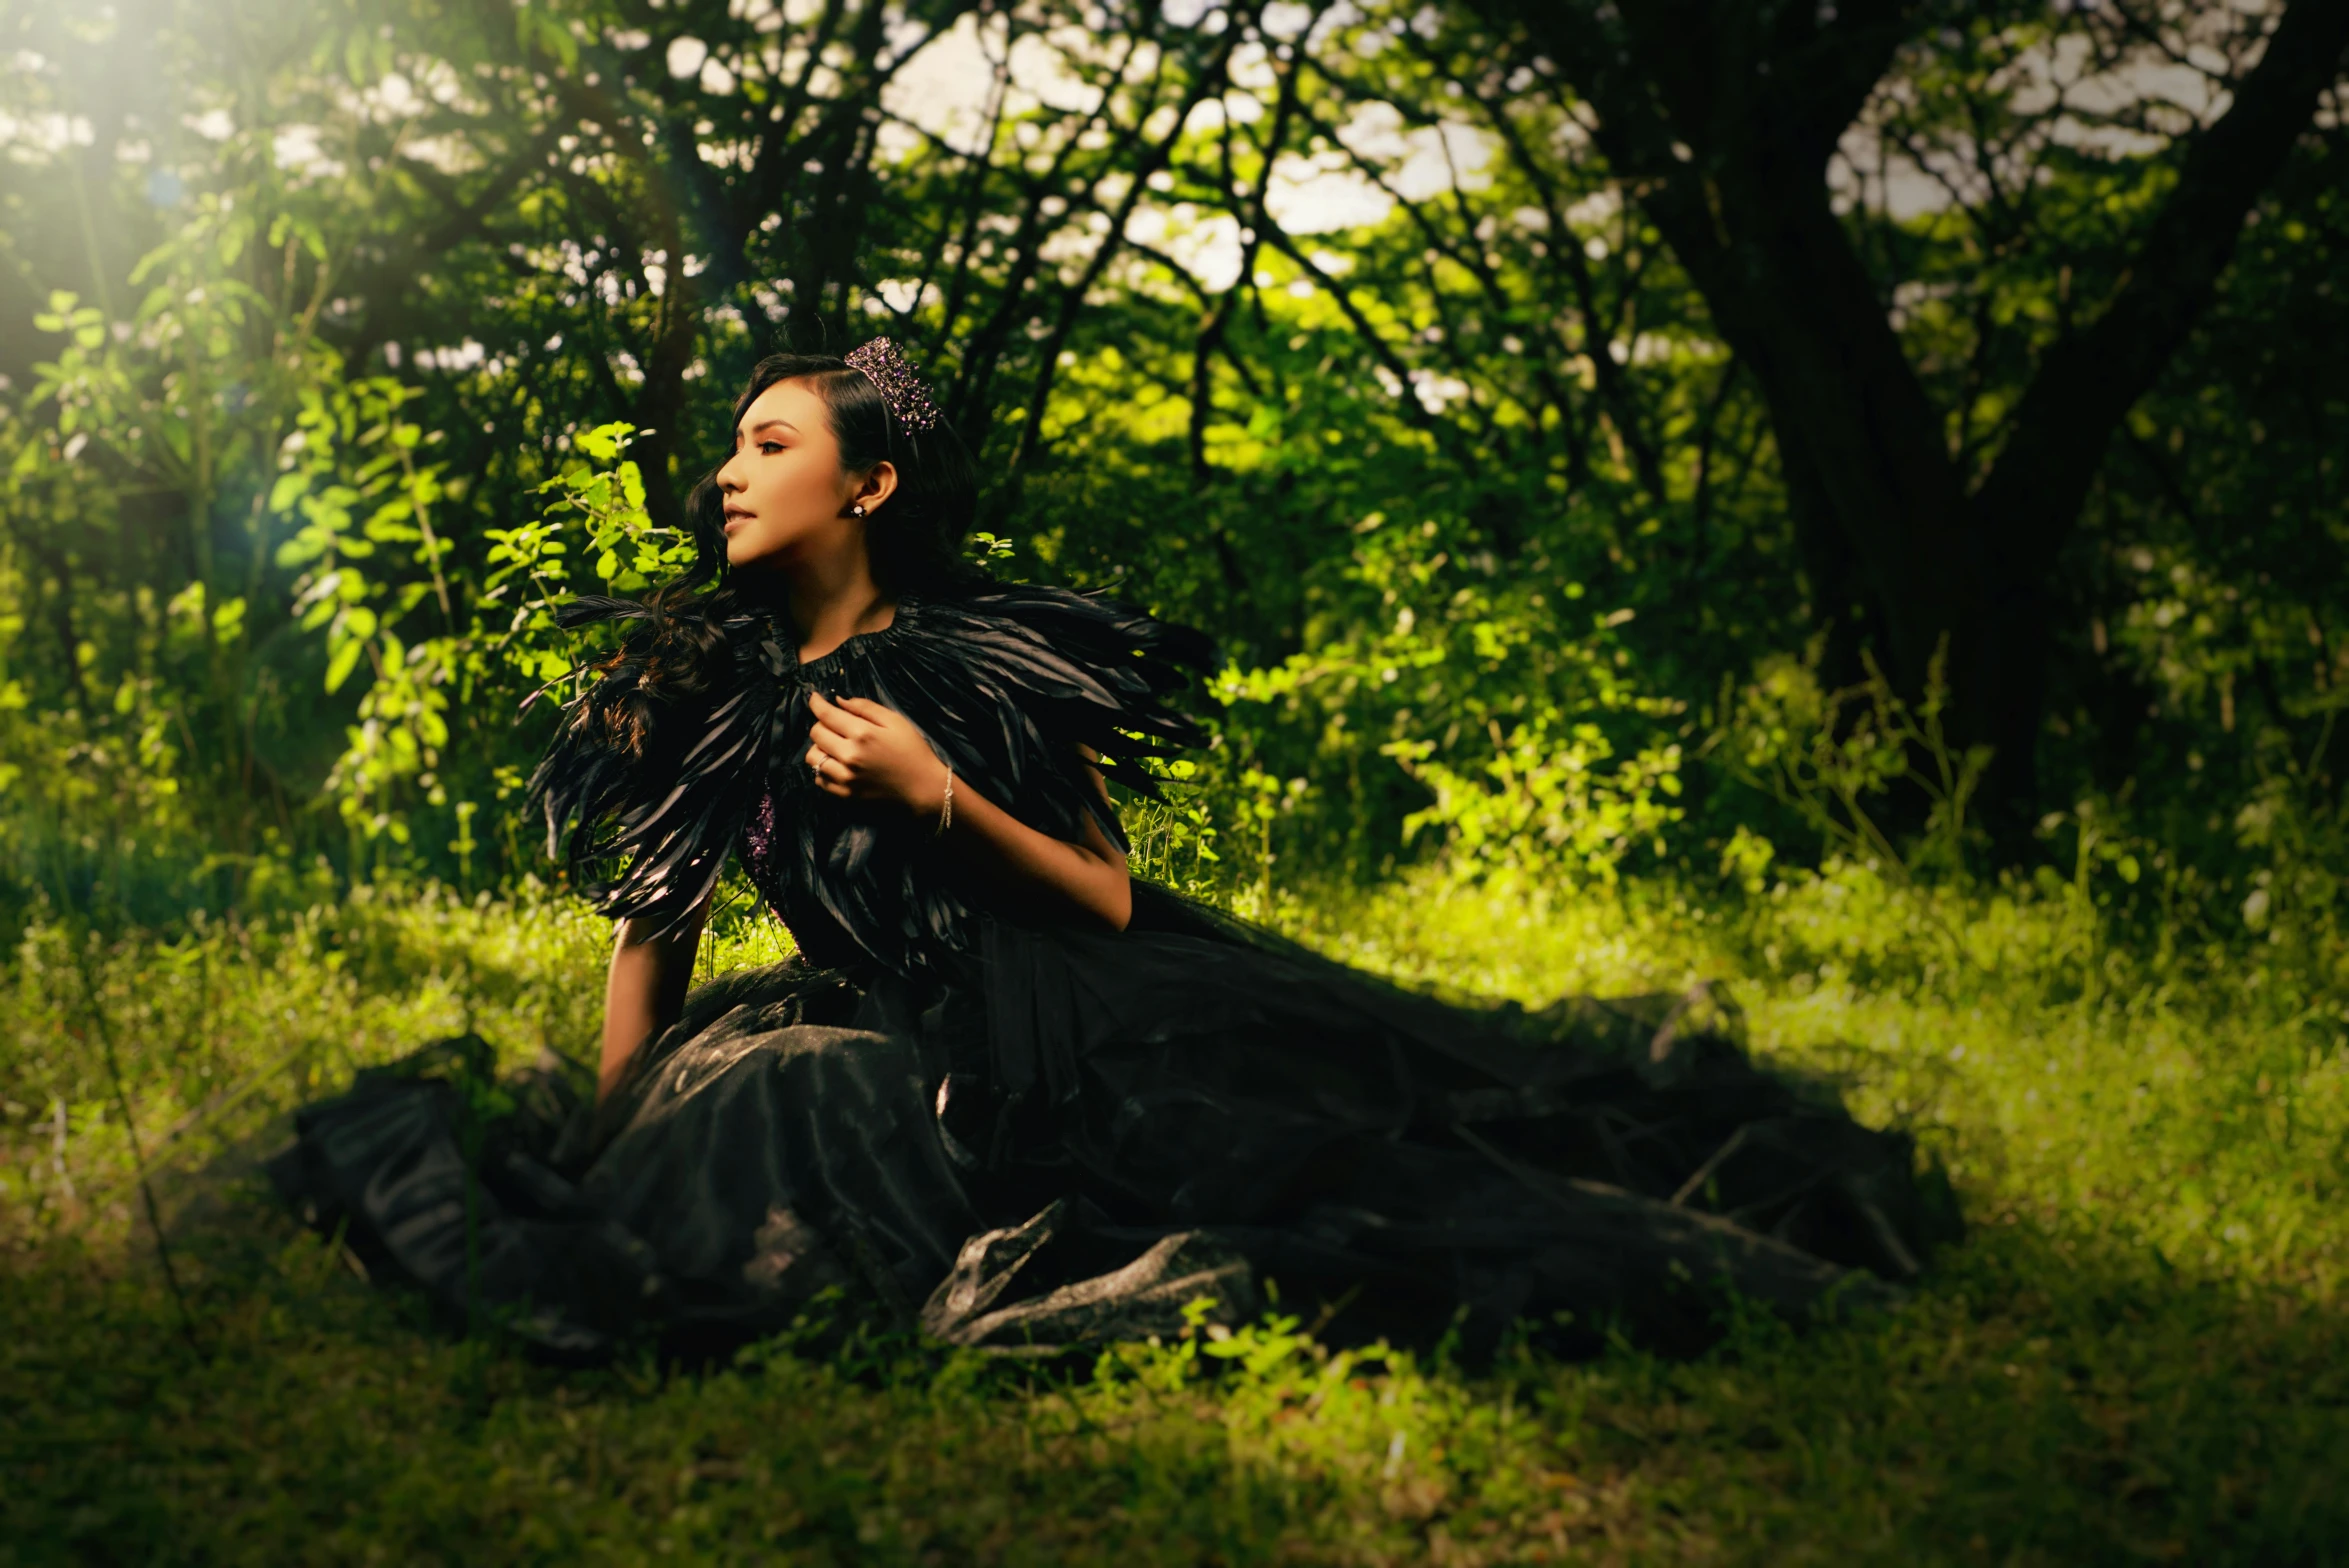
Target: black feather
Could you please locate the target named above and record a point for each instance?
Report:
(1006, 684)
(656, 781)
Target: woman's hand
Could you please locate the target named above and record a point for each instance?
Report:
(860, 750)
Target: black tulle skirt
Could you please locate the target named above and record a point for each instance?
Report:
(1087, 1134)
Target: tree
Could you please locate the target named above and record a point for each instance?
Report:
(1725, 120)
(498, 230)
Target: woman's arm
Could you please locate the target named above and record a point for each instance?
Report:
(862, 750)
(645, 991)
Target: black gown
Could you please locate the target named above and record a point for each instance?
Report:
(1024, 1136)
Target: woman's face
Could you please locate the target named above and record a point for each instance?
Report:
(787, 501)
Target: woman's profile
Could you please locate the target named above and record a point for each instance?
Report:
(1004, 1091)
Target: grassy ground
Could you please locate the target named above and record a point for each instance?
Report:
(2139, 1354)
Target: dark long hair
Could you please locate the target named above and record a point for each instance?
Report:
(676, 650)
(916, 540)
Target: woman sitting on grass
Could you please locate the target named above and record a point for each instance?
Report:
(1004, 1091)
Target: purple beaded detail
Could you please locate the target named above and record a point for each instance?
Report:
(901, 386)
(762, 854)
(760, 831)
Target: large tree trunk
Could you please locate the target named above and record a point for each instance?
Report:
(1720, 115)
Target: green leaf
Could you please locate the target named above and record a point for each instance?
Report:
(308, 545)
(338, 668)
(602, 444)
(390, 530)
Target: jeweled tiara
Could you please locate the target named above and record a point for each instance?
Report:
(901, 386)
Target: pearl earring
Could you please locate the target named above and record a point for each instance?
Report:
(857, 510)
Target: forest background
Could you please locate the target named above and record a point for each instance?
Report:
(1844, 498)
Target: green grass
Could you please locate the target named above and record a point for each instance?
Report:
(2139, 1354)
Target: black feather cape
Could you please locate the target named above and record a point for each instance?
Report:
(1006, 682)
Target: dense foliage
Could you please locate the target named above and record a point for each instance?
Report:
(1361, 335)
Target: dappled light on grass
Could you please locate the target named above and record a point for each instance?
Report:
(2138, 1350)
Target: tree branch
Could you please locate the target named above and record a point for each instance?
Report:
(2089, 381)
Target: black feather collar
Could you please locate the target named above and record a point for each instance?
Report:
(1006, 682)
